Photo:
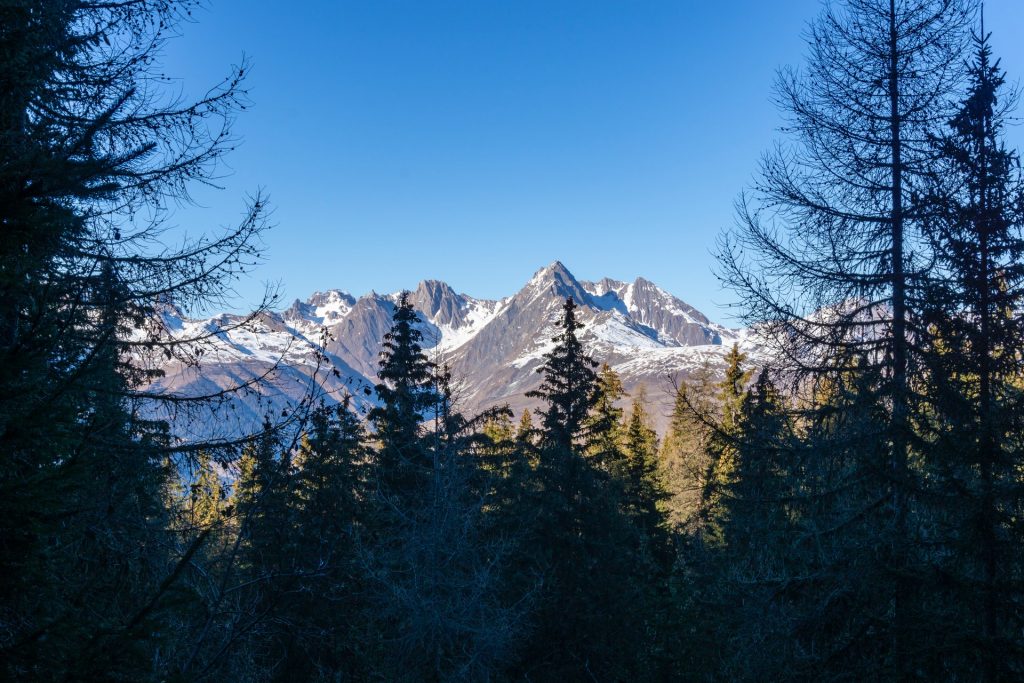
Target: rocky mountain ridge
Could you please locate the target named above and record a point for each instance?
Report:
(331, 341)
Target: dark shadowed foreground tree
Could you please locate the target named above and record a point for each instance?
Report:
(406, 392)
(438, 610)
(93, 149)
(591, 612)
(643, 492)
(852, 514)
(832, 250)
(884, 251)
(973, 425)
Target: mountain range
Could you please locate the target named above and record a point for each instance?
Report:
(332, 341)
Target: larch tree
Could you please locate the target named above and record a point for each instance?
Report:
(684, 454)
(92, 156)
(831, 250)
(605, 422)
(643, 492)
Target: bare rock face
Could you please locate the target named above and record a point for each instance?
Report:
(439, 303)
(494, 348)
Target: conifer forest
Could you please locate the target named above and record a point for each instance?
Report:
(849, 506)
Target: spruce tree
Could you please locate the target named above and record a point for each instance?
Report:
(760, 552)
(569, 388)
(436, 604)
(327, 614)
(405, 393)
(584, 623)
(721, 446)
(268, 553)
(265, 504)
(973, 427)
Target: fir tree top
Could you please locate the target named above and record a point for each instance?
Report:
(406, 387)
(570, 382)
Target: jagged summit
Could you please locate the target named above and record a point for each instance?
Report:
(322, 307)
(440, 303)
(494, 347)
(555, 280)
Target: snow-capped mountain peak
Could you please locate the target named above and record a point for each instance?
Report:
(554, 280)
(322, 307)
(494, 347)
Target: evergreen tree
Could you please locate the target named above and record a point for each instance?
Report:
(326, 615)
(96, 536)
(685, 450)
(974, 364)
(757, 496)
(434, 592)
(605, 423)
(329, 478)
(721, 451)
(831, 245)
(643, 492)
(585, 623)
(87, 151)
(269, 565)
(405, 393)
(838, 507)
(569, 389)
(760, 552)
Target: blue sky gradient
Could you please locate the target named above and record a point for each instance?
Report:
(475, 141)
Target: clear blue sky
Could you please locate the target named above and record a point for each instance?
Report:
(475, 141)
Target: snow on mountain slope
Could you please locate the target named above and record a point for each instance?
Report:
(494, 347)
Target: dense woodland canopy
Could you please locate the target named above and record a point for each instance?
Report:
(853, 511)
